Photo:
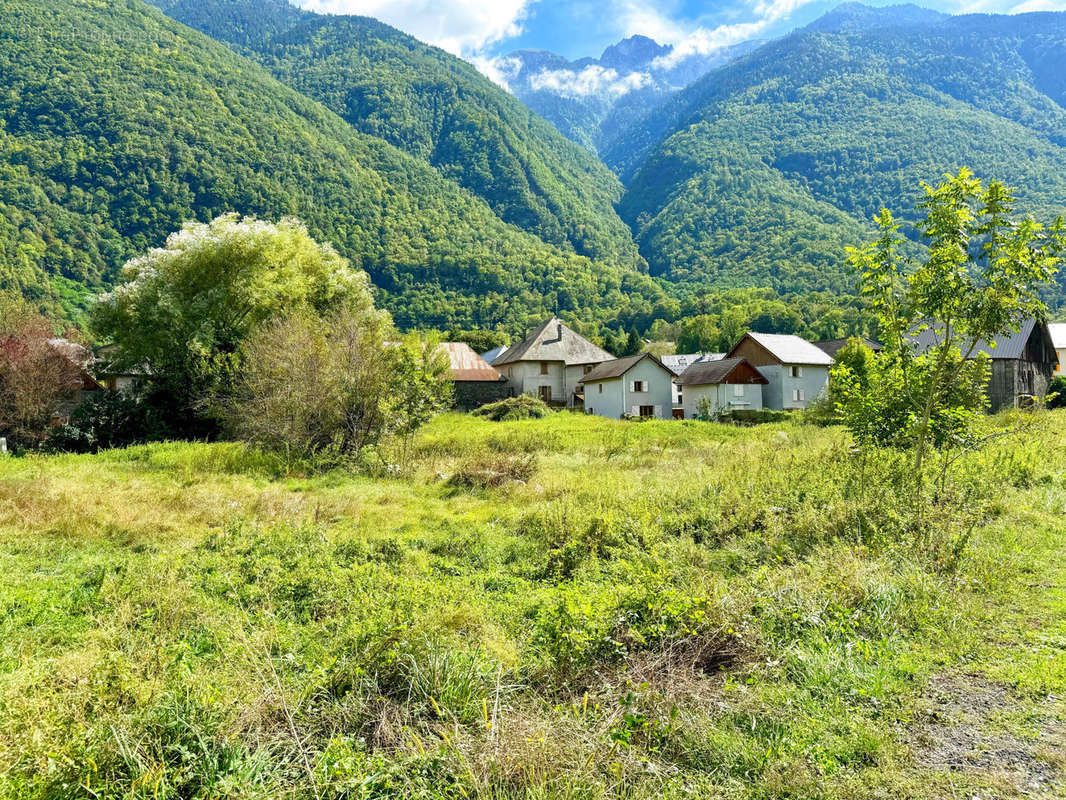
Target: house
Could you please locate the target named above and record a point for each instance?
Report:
(551, 363)
(1022, 363)
(476, 382)
(82, 381)
(639, 385)
(727, 384)
(795, 370)
(833, 346)
(1058, 339)
(679, 362)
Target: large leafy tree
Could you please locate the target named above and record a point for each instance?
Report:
(183, 311)
(979, 279)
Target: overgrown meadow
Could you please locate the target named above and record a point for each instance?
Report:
(568, 607)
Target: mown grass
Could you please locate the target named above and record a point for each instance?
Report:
(566, 607)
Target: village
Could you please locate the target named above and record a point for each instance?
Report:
(762, 371)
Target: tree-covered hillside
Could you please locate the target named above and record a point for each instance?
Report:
(765, 168)
(118, 124)
(433, 106)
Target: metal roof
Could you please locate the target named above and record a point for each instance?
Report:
(788, 348)
(678, 363)
(554, 341)
(494, 353)
(1007, 346)
(707, 372)
(466, 365)
(1058, 334)
(619, 367)
(833, 346)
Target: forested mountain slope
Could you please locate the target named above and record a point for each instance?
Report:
(768, 166)
(118, 124)
(596, 100)
(435, 107)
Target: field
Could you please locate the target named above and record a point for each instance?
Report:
(559, 608)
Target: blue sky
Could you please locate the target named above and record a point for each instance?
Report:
(484, 30)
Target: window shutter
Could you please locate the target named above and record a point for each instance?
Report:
(635, 411)
(632, 386)
(658, 411)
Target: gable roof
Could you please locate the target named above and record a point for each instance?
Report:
(833, 346)
(1007, 346)
(494, 353)
(707, 372)
(554, 341)
(466, 365)
(1058, 334)
(618, 367)
(678, 363)
(787, 348)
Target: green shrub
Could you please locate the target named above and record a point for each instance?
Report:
(513, 408)
(498, 469)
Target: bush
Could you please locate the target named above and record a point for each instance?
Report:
(496, 470)
(105, 421)
(514, 408)
(1057, 392)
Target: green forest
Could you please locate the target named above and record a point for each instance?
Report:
(119, 125)
(760, 172)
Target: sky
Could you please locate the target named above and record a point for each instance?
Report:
(482, 31)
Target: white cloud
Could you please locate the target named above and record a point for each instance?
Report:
(1039, 5)
(592, 80)
(501, 70)
(462, 27)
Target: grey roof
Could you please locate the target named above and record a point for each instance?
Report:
(678, 363)
(789, 349)
(708, 372)
(1007, 346)
(833, 346)
(554, 341)
(494, 353)
(1058, 334)
(619, 367)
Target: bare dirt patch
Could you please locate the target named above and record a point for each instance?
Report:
(960, 730)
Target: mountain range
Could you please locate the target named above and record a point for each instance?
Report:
(754, 166)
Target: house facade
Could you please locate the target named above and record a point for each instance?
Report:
(1058, 341)
(551, 364)
(476, 382)
(796, 371)
(679, 362)
(721, 386)
(1022, 363)
(639, 386)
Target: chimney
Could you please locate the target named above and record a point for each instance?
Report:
(559, 331)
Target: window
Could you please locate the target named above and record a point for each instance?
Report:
(738, 390)
(647, 411)
(601, 387)
(587, 369)
(545, 393)
(638, 386)
(543, 367)
(795, 372)
(797, 395)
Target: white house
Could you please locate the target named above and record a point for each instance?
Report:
(795, 370)
(551, 363)
(679, 362)
(729, 384)
(1058, 338)
(639, 385)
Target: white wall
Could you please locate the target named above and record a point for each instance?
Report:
(778, 393)
(1061, 369)
(618, 397)
(723, 397)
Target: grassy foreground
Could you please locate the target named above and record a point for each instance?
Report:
(654, 610)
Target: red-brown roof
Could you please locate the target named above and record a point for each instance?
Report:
(466, 365)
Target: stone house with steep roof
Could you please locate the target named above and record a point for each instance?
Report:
(551, 363)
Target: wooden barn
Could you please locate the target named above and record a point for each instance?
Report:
(1022, 363)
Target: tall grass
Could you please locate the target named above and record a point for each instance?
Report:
(653, 610)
